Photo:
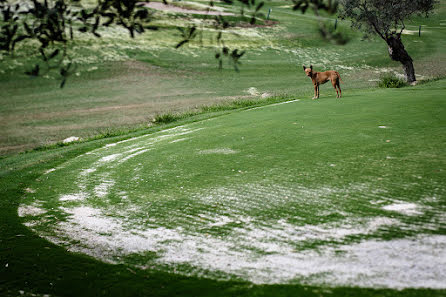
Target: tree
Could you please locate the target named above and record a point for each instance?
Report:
(54, 24)
(386, 19)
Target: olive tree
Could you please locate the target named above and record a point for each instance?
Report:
(386, 18)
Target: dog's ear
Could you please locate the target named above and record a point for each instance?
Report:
(304, 67)
(311, 67)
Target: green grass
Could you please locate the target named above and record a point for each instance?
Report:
(125, 82)
(246, 160)
(311, 178)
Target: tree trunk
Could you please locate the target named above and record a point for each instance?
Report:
(397, 52)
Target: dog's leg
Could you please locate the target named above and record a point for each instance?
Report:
(339, 87)
(334, 84)
(315, 91)
(318, 91)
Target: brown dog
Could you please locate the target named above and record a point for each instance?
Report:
(319, 78)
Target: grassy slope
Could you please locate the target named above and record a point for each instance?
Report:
(128, 94)
(416, 120)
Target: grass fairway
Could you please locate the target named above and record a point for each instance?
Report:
(122, 83)
(328, 197)
(295, 198)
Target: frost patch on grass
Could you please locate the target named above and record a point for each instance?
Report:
(219, 221)
(87, 171)
(30, 210)
(109, 158)
(50, 170)
(29, 190)
(73, 197)
(271, 231)
(402, 263)
(404, 208)
(228, 238)
(223, 151)
(138, 152)
(102, 189)
(345, 67)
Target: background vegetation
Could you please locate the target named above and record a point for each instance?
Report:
(123, 83)
(391, 138)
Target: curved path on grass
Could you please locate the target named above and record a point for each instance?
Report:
(307, 192)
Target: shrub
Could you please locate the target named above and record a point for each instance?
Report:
(166, 118)
(391, 81)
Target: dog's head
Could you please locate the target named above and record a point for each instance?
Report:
(308, 71)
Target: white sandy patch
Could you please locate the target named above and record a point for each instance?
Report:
(217, 221)
(103, 188)
(283, 231)
(29, 190)
(264, 240)
(87, 171)
(50, 170)
(30, 210)
(258, 249)
(73, 197)
(109, 158)
(401, 263)
(344, 67)
(223, 151)
(404, 208)
(383, 127)
(71, 139)
(137, 153)
(252, 91)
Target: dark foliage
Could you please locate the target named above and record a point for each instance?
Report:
(51, 24)
(391, 81)
(54, 23)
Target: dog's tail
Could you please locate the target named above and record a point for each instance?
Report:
(339, 77)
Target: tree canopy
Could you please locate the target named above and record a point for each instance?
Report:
(386, 18)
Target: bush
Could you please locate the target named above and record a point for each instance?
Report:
(166, 118)
(391, 81)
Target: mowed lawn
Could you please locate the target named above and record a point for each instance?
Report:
(121, 84)
(327, 197)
